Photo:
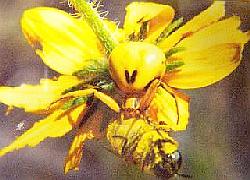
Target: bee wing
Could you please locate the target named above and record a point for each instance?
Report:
(170, 108)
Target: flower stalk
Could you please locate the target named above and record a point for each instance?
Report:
(94, 20)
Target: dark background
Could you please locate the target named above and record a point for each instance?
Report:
(215, 145)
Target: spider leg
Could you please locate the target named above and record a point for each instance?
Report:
(148, 97)
(181, 103)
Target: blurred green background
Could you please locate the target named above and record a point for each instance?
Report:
(215, 145)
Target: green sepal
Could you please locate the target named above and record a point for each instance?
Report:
(74, 102)
(173, 51)
(94, 69)
(105, 85)
(174, 65)
(169, 29)
(78, 87)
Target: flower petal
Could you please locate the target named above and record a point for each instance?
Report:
(55, 125)
(205, 18)
(117, 32)
(109, 101)
(63, 42)
(209, 55)
(76, 151)
(170, 108)
(225, 31)
(157, 17)
(36, 97)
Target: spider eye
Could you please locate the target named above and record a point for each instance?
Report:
(130, 79)
(133, 77)
(127, 76)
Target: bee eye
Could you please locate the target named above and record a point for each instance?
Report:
(170, 165)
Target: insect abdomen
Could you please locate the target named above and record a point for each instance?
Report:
(152, 149)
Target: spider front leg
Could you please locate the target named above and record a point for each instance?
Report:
(136, 107)
(171, 107)
(110, 102)
(148, 97)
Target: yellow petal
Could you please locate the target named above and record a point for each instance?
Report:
(205, 18)
(109, 101)
(64, 43)
(225, 31)
(36, 97)
(117, 32)
(55, 125)
(158, 17)
(209, 55)
(76, 151)
(172, 109)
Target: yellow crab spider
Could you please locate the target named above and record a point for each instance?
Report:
(138, 68)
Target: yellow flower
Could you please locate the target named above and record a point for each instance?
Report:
(66, 44)
(201, 52)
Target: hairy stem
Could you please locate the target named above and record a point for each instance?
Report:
(93, 19)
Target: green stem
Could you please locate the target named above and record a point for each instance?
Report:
(93, 19)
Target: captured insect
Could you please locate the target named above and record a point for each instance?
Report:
(145, 145)
(135, 71)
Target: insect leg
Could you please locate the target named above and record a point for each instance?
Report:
(124, 143)
(149, 159)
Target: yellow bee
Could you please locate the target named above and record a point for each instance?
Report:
(145, 145)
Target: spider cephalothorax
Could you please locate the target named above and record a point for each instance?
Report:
(133, 65)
